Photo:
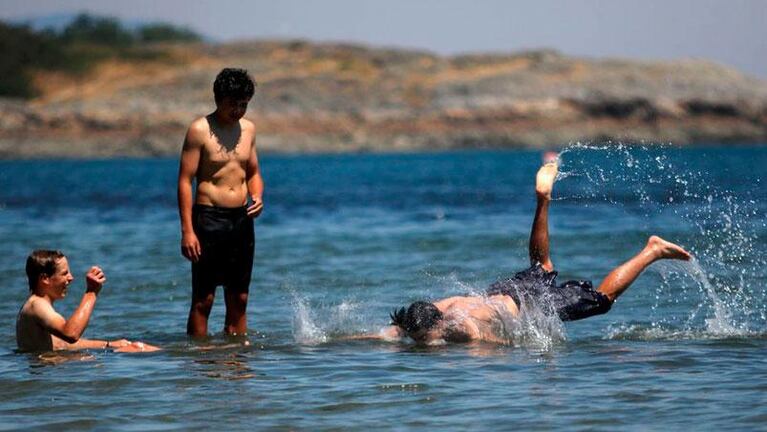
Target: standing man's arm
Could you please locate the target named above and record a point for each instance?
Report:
(190, 161)
(254, 181)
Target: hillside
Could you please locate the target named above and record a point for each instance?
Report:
(336, 98)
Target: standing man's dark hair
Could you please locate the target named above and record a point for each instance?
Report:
(234, 83)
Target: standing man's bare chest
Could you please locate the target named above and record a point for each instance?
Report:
(228, 146)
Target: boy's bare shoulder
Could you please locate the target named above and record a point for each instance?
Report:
(38, 307)
(35, 308)
(26, 308)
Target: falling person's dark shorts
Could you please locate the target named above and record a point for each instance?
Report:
(572, 300)
(227, 239)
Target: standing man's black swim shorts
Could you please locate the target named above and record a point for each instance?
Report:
(572, 300)
(227, 239)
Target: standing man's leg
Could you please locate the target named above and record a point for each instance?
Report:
(203, 295)
(539, 235)
(204, 275)
(238, 273)
(236, 322)
(621, 278)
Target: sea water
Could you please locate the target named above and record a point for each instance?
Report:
(345, 239)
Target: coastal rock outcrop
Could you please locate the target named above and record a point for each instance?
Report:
(338, 98)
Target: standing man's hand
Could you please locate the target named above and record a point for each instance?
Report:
(254, 209)
(190, 247)
(94, 280)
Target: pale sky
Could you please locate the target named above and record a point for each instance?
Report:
(732, 32)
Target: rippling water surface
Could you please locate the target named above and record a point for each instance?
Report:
(345, 239)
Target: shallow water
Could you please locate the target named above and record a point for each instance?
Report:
(345, 239)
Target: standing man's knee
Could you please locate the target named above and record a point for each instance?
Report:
(237, 300)
(236, 316)
(242, 299)
(203, 304)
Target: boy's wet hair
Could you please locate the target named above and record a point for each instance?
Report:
(41, 262)
(420, 315)
(234, 83)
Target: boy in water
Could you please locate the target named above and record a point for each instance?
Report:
(470, 318)
(217, 226)
(40, 328)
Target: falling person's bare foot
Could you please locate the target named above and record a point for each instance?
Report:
(667, 250)
(547, 174)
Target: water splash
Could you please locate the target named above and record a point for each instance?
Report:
(537, 326)
(722, 322)
(719, 294)
(305, 331)
(721, 297)
(321, 324)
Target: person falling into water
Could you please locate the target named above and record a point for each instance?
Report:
(39, 328)
(217, 230)
(479, 318)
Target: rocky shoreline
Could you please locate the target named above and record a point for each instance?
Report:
(347, 98)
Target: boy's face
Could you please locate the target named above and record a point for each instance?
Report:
(433, 334)
(56, 284)
(232, 109)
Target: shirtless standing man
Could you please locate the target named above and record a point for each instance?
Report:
(217, 227)
(469, 318)
(40, 328)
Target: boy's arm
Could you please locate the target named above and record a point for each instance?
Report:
(70, 330)
(120, 345)
(190, 161)
(82, 343)
(254, 181)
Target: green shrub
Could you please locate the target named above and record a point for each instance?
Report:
(86, 41)
(97, 30)
(166, 33)
(23, 50)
